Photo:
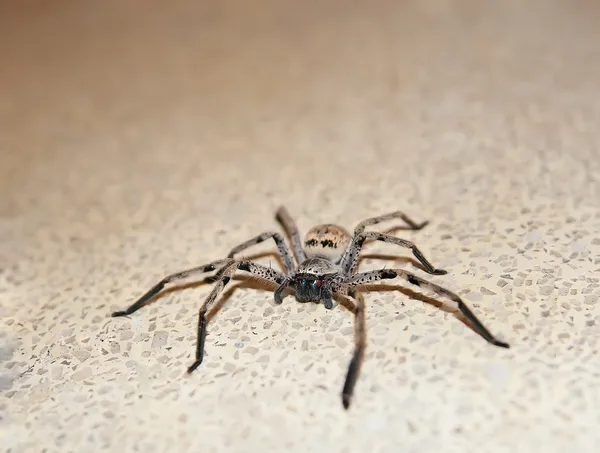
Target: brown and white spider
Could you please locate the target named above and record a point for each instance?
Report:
(325, 269)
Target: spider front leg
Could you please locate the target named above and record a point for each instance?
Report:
(360, 343)
(165, 281)
(349, 262)
(282, 247)
(226, 274)
(365, 278)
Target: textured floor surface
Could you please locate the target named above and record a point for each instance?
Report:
(141, 139)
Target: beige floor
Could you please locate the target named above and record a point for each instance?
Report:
(139, 139)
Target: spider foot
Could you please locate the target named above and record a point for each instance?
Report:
(420, 226)
(501, 344)
(116, 314)
(439, 272)
(193, 367)
(346, 398)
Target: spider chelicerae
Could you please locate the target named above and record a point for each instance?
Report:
(323, 268)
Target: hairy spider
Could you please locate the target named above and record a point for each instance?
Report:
(325, 268)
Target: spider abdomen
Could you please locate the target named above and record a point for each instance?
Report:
(328, 241)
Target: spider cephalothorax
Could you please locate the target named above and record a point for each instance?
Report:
(308, 288)
(311, 281)
(325, 267)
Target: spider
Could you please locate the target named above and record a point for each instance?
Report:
(325, 268)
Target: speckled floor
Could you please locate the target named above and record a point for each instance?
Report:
(138, 140)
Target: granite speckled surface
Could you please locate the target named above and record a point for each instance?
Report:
(137, 140)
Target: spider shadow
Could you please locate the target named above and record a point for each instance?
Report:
(242, 282)
(256, 283)
(394, 258)
(210, 279)
(420, 297)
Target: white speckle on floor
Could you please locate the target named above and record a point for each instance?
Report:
(159, 339)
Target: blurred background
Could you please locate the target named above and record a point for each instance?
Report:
(155, 96)
(140, 138)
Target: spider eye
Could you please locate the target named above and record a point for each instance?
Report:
(319, 282)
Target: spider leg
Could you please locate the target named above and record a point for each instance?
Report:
(226, 275)
(165, 281)
(279, 291)
(284, 252)
(282, 247)
(385, 217)
(360, 342)
(287, 223)
(373, 276)
(350, 258)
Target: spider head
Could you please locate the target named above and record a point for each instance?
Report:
(308, 287)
